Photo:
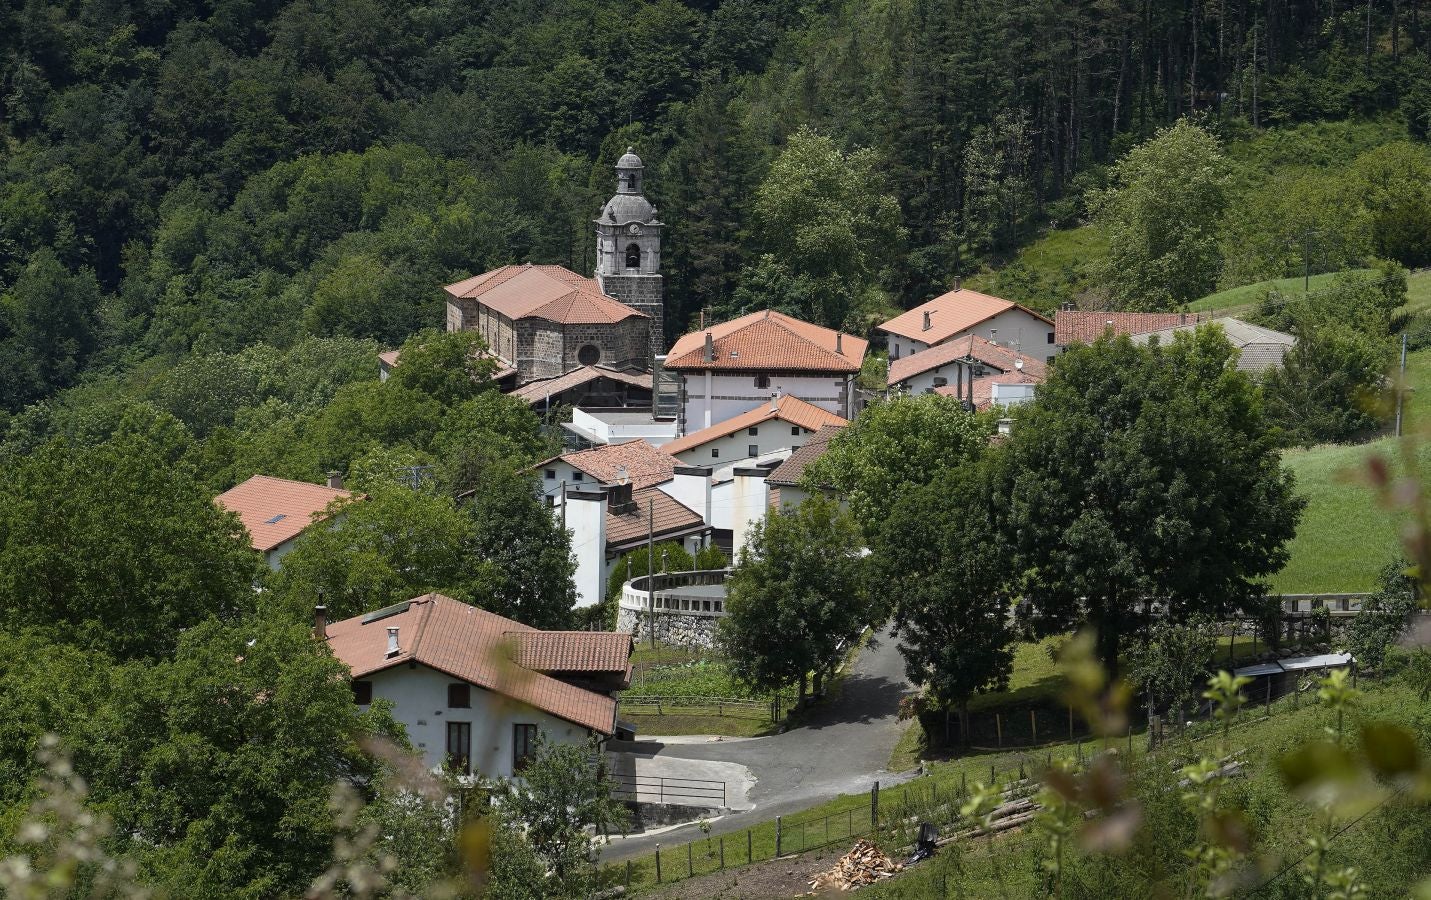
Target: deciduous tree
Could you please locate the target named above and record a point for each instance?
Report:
(1142, 474)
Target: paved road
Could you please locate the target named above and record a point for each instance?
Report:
(843, 748)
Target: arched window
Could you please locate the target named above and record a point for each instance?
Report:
(633, 256)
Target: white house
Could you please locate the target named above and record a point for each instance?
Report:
(961, 313)
(633, 461)
(787, 481)
(607, 521)
(474, 689)
(964, 366)
(736, 366)
(779, 423)
(275, 511)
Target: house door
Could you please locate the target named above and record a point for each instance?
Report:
(459, 747)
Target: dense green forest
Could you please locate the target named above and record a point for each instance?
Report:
(192, 177)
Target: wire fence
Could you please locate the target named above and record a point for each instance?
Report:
(765, 710)
(892, 816)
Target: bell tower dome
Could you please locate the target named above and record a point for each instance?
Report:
(628, 249)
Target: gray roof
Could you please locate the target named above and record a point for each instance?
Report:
(629, 160)
(1260, 348)
(624, 208)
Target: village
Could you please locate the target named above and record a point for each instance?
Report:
(715, 450)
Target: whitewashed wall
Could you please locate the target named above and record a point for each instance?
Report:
(712, 398)
(419, 697)
(770, 437)
(1013, 327)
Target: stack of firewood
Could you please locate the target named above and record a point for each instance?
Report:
(864, 864)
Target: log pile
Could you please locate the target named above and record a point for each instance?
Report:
(864, 864)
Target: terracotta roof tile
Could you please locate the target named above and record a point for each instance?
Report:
(645, 465)
(793, 469)
(982, 349)
(537, 391)
(671, 519)
(544, 292)
(769, 340)
(950, 313)
(573, 651)
(788, 408)
(1076, 326)
(471, 644)
(275, 510)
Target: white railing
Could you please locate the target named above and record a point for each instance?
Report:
(672, 592)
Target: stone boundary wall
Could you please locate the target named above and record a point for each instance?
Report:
(697, 632)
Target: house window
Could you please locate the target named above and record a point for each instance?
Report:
(524, 746)
(941, 382)
(459, 747)
(752, 431)
(459, 696)
(362, 692)
(795, 431)
(762, 381)
(633, 256)
(715, 453)
(752, 450)
(577, 475)
(894, 351)
(1050, 337)
(551, 473)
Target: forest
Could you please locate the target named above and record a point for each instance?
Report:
(184, 178)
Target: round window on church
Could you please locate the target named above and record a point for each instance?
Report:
(589, 355)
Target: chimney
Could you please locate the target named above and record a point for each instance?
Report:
(927, 314)
(393, 649)
(1066, 306)
(320, 622)
(774, 401)
(958, 282)
(840, 343)
(710, 348)
(335, 480)
(691, 487)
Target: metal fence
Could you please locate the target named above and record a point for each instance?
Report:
(658, 789)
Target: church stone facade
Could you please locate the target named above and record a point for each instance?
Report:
(545, 321)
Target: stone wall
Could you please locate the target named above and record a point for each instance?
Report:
(646, 293)
(681, 630)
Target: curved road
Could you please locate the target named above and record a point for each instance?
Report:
(843, 748)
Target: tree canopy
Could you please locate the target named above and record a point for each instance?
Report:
(1141, 475)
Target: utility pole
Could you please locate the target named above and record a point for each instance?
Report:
(563, 506)
(1401, 384)
(650, 566)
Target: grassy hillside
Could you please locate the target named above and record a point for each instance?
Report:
(1249, 294)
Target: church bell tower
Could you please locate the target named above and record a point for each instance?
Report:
(628, 250)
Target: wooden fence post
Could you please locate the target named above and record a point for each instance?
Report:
(722, 852)
(874, 806)
(690, 870)
(777, 837)
(749, 856)
(999, 728)
(658, 863)
(628, 876)
(1070, 721)
(1033, 726)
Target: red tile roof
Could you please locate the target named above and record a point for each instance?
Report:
(986, 351)
(1072, 326)
(788, 408)
(481, 648)
(669, 518)
(771, 341)
(553, 293)
(984, 387)
(645, 465)
(793, 469)
(275, 510)
(594, 652)
(537, 391)
(950, 313)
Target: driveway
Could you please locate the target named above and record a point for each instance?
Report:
(842, 749)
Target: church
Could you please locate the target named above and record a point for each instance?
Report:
(545, 321)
